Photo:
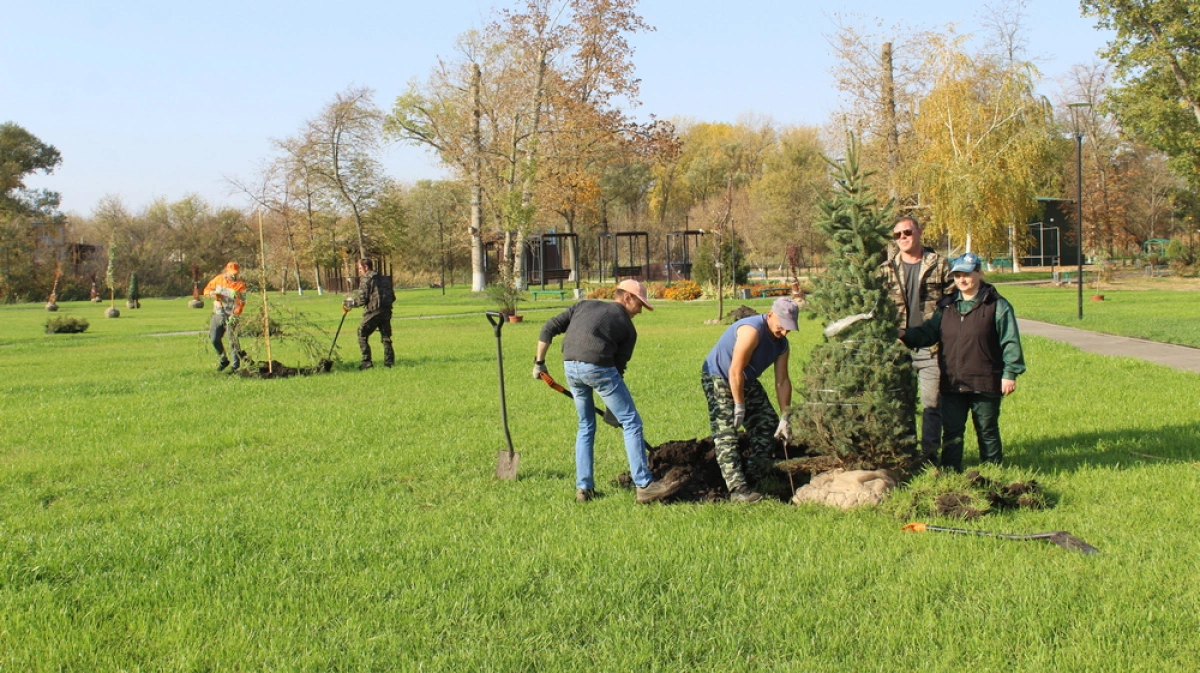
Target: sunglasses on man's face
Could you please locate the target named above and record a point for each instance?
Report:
(903, 233)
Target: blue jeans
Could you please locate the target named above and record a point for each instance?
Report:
(583, 379)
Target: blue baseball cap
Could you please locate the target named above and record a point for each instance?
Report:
(967, 263)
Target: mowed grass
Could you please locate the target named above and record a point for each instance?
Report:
(157, 515)
(1159, 315)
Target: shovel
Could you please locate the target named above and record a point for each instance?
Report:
(506, 461)
(604, 414)
(1059, 537)
(327, 363)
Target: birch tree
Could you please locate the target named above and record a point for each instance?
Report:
(986, 148)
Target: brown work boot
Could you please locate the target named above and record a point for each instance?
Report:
(584, 495)
(744, 494)
(657, 490)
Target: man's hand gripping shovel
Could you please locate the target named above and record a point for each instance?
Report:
(606, 415)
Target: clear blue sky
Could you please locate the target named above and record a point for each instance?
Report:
(161, 99)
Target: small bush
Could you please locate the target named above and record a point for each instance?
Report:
(1178, 252)
(704, 269)
(683, 291)
(505, 297)
(603, 292)
(65, 324)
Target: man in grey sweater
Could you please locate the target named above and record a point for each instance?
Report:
(597, 347)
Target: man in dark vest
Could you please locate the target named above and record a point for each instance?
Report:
(980, 359)
(376, 297)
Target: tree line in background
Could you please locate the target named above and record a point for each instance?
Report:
(533, 117)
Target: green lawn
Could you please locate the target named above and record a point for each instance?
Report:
(157, 515)
(1158, 315)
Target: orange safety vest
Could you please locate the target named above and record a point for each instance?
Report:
(229, 294)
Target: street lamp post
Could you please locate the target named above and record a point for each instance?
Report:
(1077, 112)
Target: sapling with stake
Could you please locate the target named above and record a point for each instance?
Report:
(52, 302)
(112, 311)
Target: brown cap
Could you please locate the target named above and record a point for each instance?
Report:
(233, 268)
(636, 289)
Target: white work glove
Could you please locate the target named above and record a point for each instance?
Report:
(539, 368)
(784, 432)
(739, 415)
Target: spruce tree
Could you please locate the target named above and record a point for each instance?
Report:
(857, 404)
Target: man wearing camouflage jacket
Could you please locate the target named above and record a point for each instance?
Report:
(376, 296)
(917, 278)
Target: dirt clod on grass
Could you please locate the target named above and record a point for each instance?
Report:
(966, 496)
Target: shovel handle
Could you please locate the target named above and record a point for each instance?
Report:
(917, 527)
(604, 415)
(497, 320)
(545, 376)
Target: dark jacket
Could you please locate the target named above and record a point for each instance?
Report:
(597, 332)
(375, 294)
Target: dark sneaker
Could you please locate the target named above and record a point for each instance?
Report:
(367, 364)
(387, 364)
(222, 365)
(744, 494)
(584, 495)
(657, 490)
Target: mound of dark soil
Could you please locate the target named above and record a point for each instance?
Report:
(694, 461)
(277, 370)
(738, 313)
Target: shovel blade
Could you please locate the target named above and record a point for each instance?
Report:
(506, 464)
(1068, 541)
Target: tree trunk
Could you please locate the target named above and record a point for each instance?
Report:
(528, 181)
(891, 132)
(478, 275)
(312, 238)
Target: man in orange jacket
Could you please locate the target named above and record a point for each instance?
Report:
(228, 293)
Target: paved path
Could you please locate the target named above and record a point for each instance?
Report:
(1169, 355)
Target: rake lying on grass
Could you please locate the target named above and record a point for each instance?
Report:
(1059, 537)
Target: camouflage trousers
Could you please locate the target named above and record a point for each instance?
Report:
(383, 323)
(760, 423)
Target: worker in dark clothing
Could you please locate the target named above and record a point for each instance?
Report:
(376, 296)
(597, 347)
(980, 359)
